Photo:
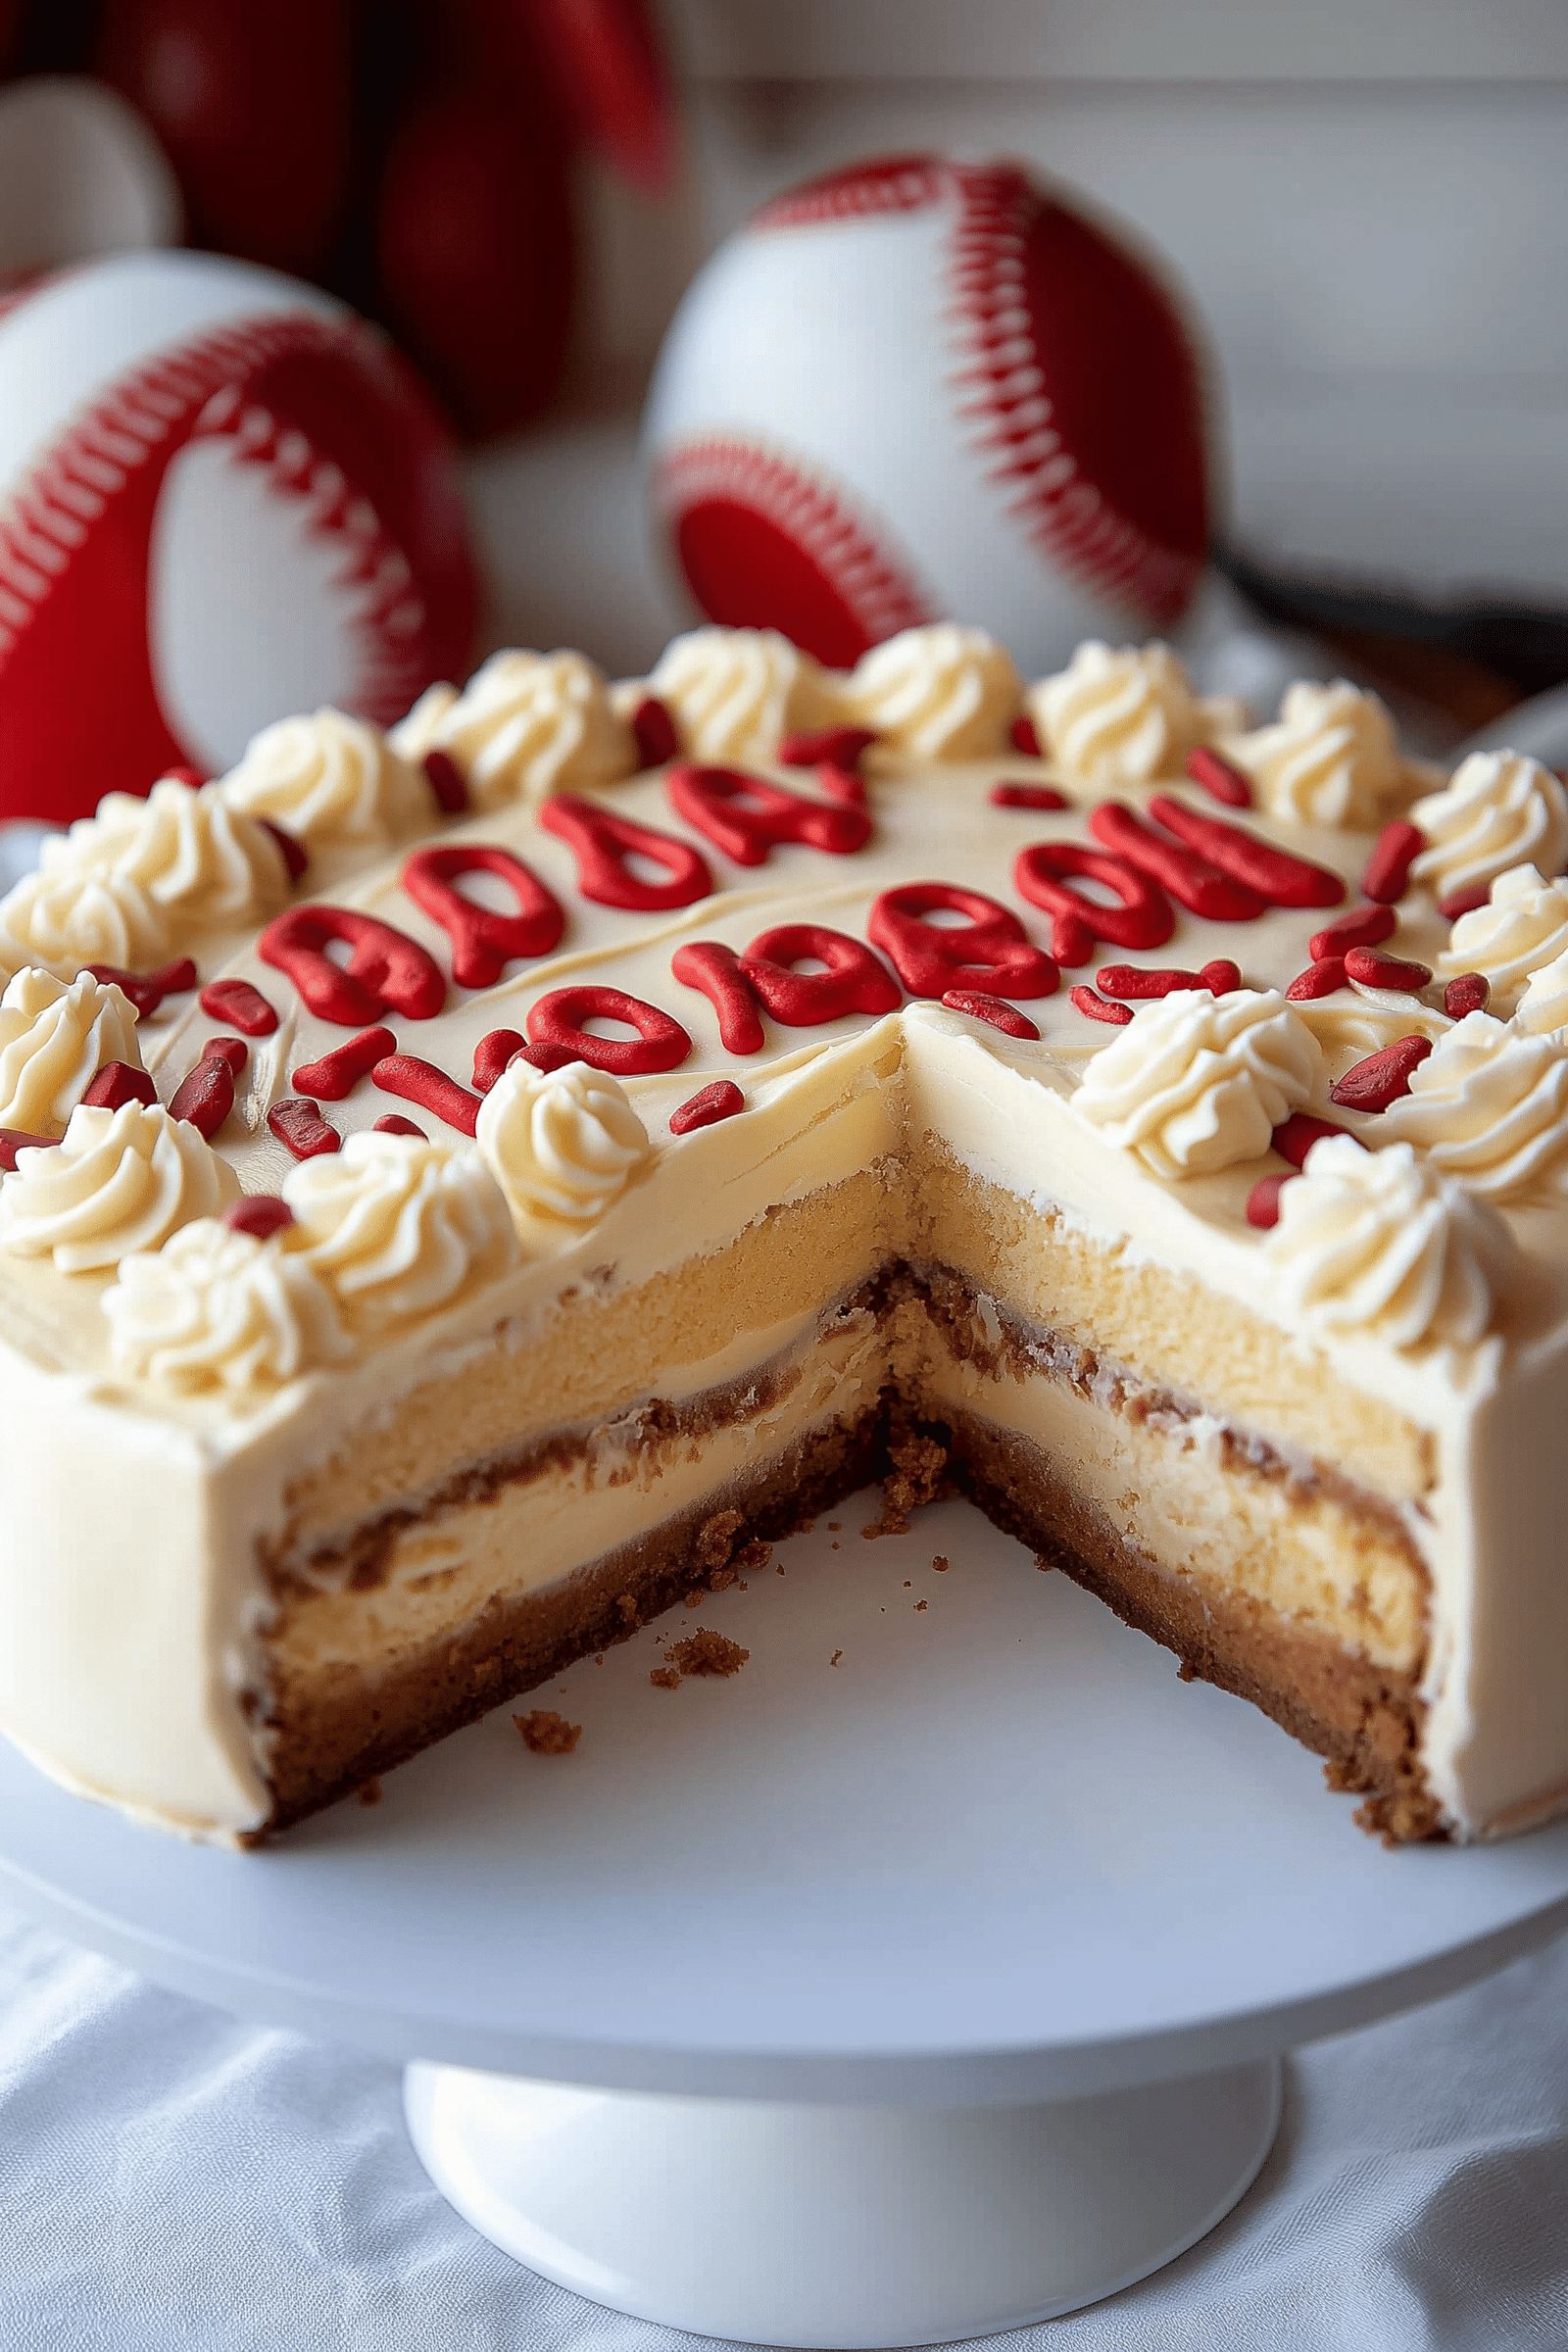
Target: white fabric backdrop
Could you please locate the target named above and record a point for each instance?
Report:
(173, 2178)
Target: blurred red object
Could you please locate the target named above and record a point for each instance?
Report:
(255, 107)
(605, 58)
(476, 254)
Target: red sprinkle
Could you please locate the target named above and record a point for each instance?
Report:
(1383, 1077)
(1386, 972)
(337, 1073)
(746, 815)
(233, 1051)
(173, 979)
(1470, 992)
(17, 1139)
(831, 747)
(1194, 882)
(146, 990)
(1086, 1000)
(1295, 1136)
(1388, 872)
(989, 950)
(447, 781)
(714, 971)
(1320, 979)
(603, 844)
(387, 969)
(492, 1054)
(204, 1098)
(237, 1003)
(259, 1214)
(393, 1124)
(1465, 902)
(116, 1083)
(420, 1082)
(193, 776)
(855, 980)
(1220, 976)
(558, 1020)
(296, 857)
(655, 730)
(1219, 778)
(1263, 1200)
(1142, 918)
(1027, 796)
(1142, 980)
(992, 1011)
(1023, 737)
(1362, 927)
(300, 1127)
(721, 1101)
(483, 940)
(1277, 877)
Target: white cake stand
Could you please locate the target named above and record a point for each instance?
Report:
(880, 2003)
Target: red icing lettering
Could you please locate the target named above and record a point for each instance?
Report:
(17, 1139)
(1194, 882)
(1295, 1136)
(1219, 977)
(1023, 737)
(146, 990)
(230, 1049)
(1320, 979)
(492, 1054)
(1263, 1200)
(655, 730)
(991, 1011)
(116, 1083)
(1387, 873)
(337, 1073)
(1084, 1001)
(604, 846)
(1132, 980)
(241, 1006)
(844, 784)
(990, 950)
(260, 1214)
(1470, 992)
(715, 972)
(854, 980)
(710, 1103)
(295, 854)
(745, 816)
(1142, 918)
(387, 969)
(204, 1098)
(1277, 877)
(1383, 1077)
(1386, 972)
(841, 748)
(556, 1021)
(483, 942)
(301, 1129)
(417, 1081)
(1218, 778)
(1362, 927)
(1464, 902)
(392, 1123)
(1027, 796)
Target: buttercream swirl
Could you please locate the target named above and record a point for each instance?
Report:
(1543, 1006)
(733, 692)
(1194, 1082)
(1490, 1107)
(53, 1040)
(328, 777)
(397, 1227)
(1499, 809)
(1523, 925)
(525, 725)
(220, 1309)
(1332, 758)
(191, 852)
(942, 692)
(1123, 715)
(562, 1142)
(1382, 1244)
(120, 1182)
(62, 918)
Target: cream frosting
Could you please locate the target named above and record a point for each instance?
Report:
(53, 1040)
(1499, 809)
(1380, 1242)
(188, 847)
(1332, 758)
(397, 1227)
(1523, 925)
(214, 1308)
(1491, 1107)
(1115, 716)
(1543, 1006)
(560, 1144)
(525, 725)
(1356, 1020)
(120, 1181)
(942, 692)
(1194, 1082)
(733, 692)
(62, 918)
(328, 777)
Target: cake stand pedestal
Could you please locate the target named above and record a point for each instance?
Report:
(929, 1976)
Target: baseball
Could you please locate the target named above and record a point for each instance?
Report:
(918, 388)
(222, 496)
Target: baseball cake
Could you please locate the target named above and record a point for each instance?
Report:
(469, 1184)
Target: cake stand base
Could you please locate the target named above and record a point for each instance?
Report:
(841, 2227)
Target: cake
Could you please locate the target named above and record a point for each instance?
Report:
(466, 1185)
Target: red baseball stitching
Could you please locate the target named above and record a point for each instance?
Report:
(94, 458)
(899, 184)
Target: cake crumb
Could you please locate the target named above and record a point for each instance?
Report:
(835, 1527)
(753, 1555)
(547, 1733)
(716, 1539)
(779, 1569)
(834, 1659)
(665, 1678)
(628, 1610)
(694, 1598)
(1044, 1565)
(707, 1652)
(722, 1580)
(832, 1547)
(922, 1604)
(370, 1794)
(599, 1657)
(913, 1479)
(908, 1584)
(941, 1563)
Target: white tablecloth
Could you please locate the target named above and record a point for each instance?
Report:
(175, 2178)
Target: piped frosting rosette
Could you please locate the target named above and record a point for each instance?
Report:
(1490, 1107)
(53, 1040)
(1124, 716)
(1523, 926)
(1194, 1083)
(1332, 758)
(60, 919)
(397, 1227)
(120, 1181)
(525, 725)
(214, 1308)
(1499, 809)
(940, 693)
(561, 1143)
(194, 855)
(732, 694)
(329, 778)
